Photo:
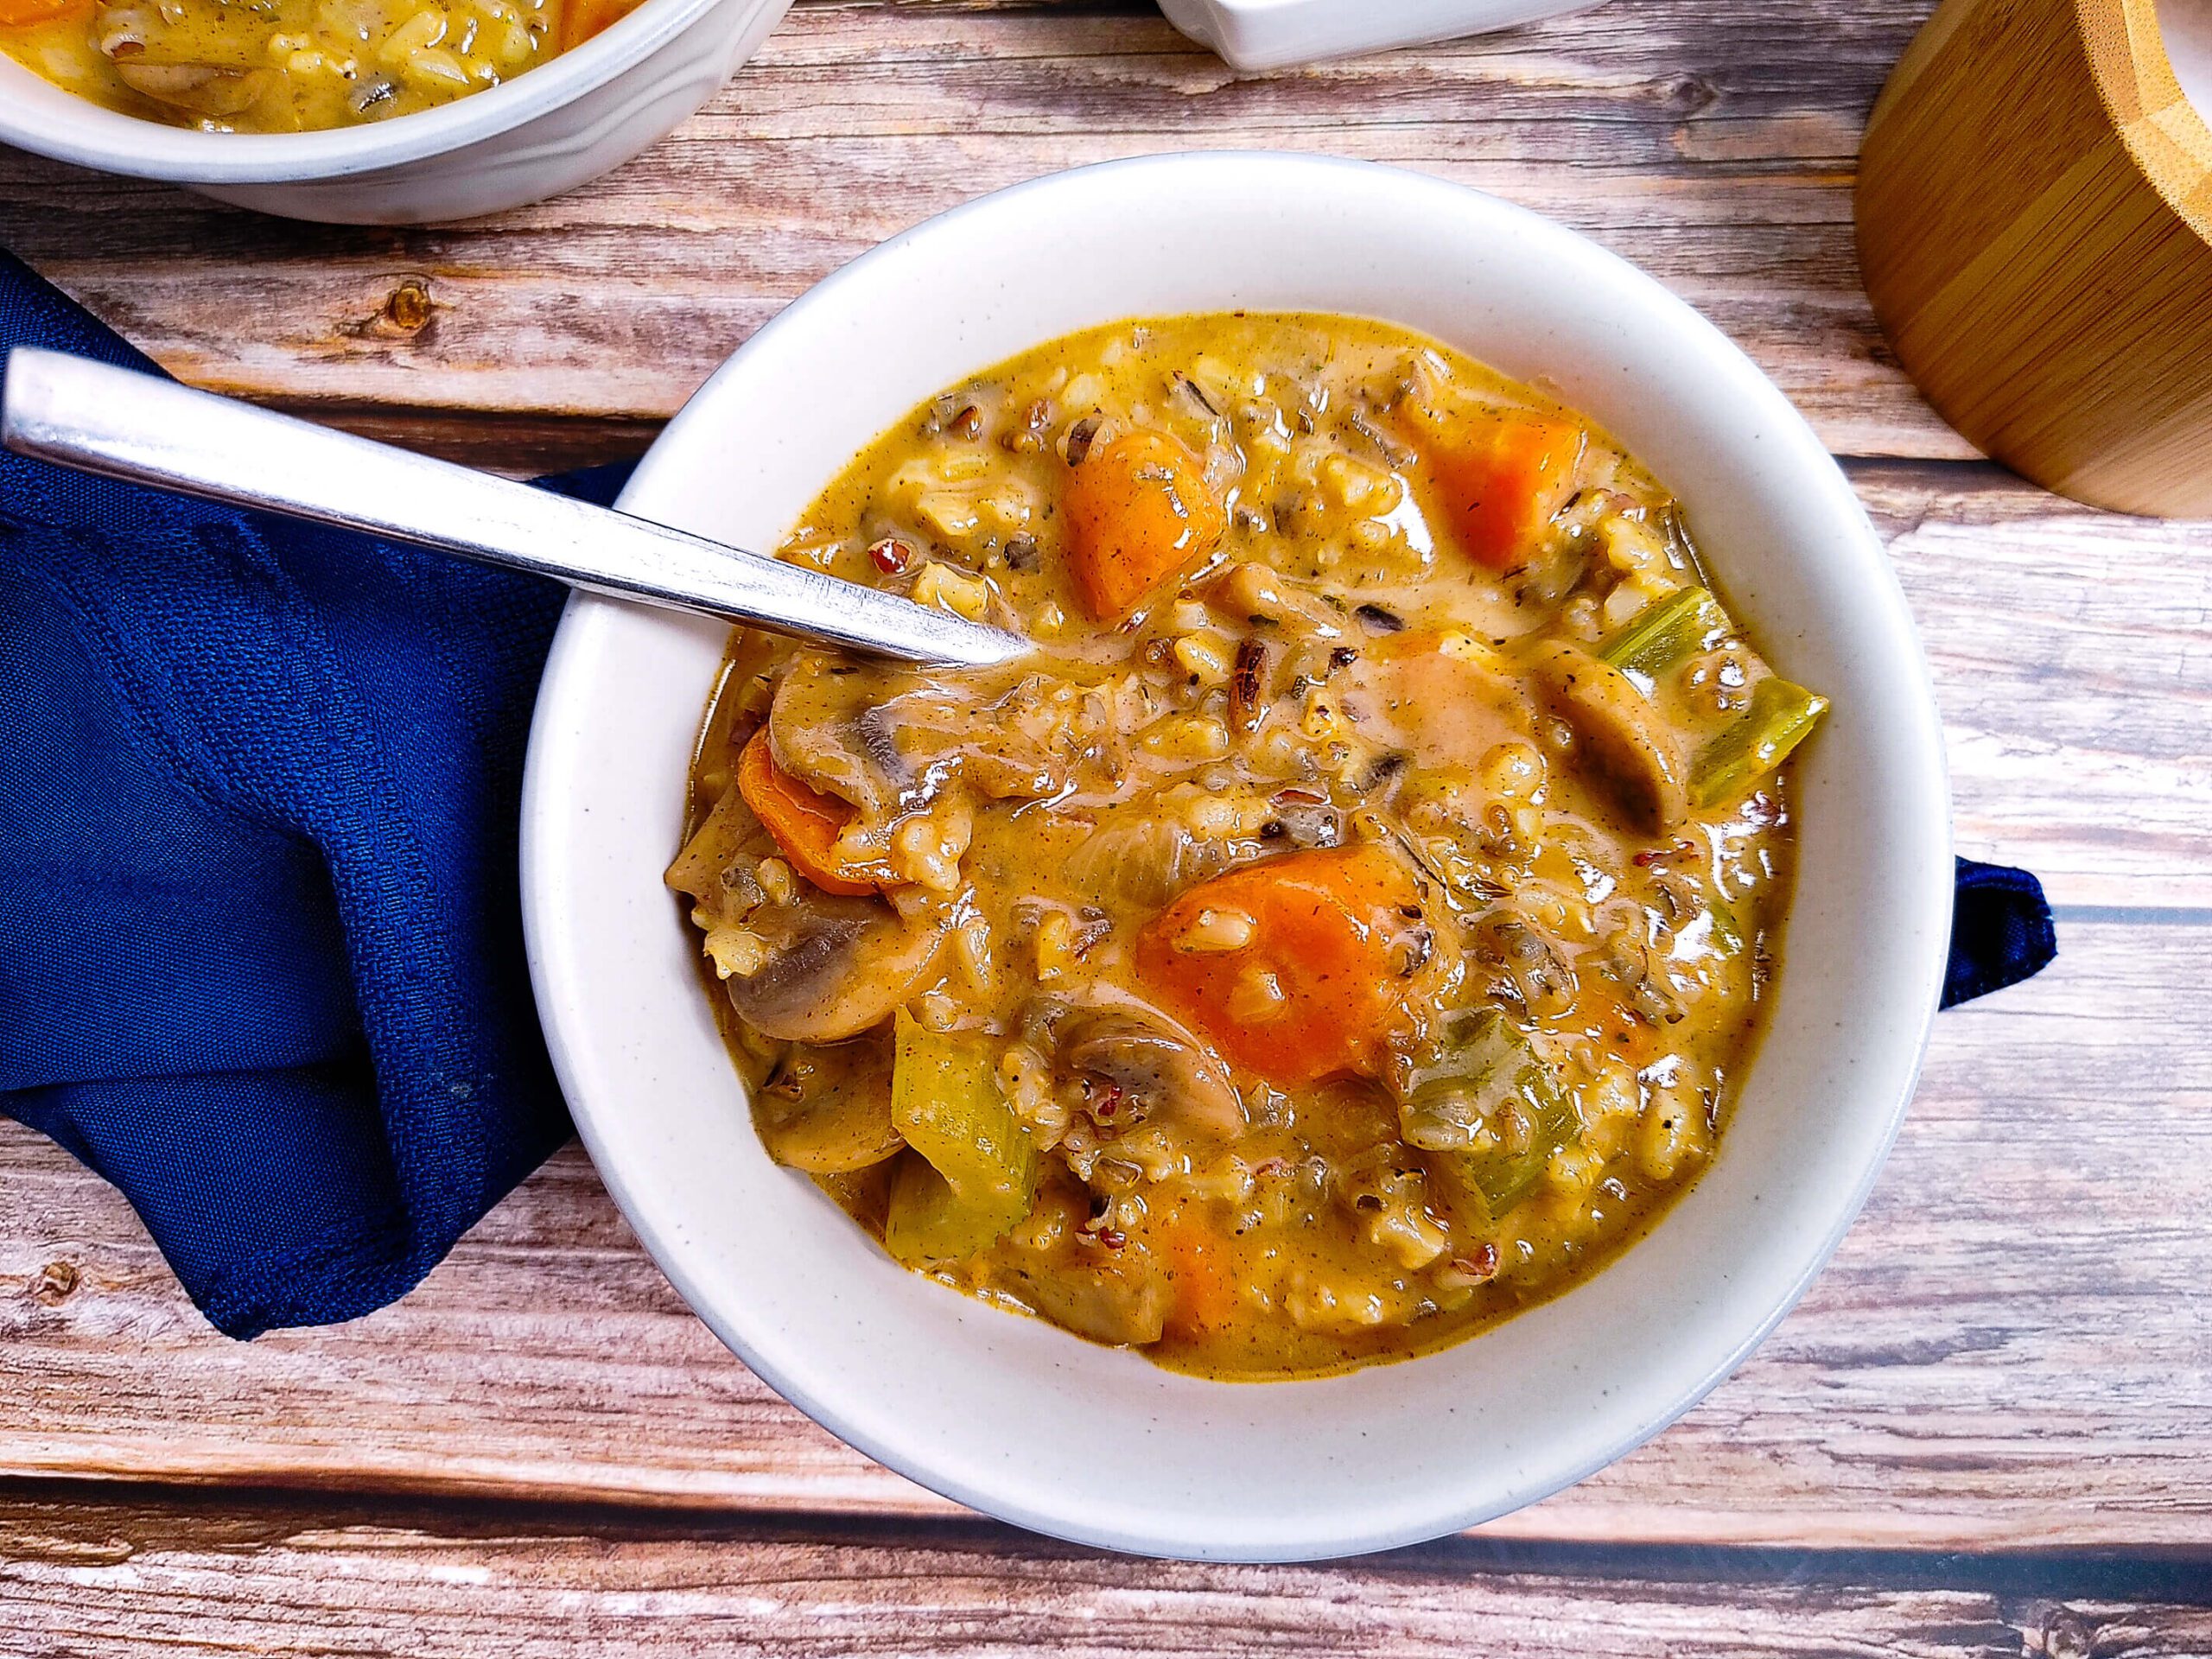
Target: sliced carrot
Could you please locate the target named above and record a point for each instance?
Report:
(21, 14)
(582, 19)
(1139, 511)
(1206, 1295)
(1501, 477)
(1320, 983)
(804, 822)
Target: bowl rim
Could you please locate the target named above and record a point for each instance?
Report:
(133, 147)
(1337, 1537)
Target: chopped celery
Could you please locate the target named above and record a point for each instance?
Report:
(1487, 1110)
(928, 1222)
(1727, 932)
(1778, 719)
(1672, 630)
(975, 1173)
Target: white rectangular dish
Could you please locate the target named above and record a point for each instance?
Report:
(1275, 34)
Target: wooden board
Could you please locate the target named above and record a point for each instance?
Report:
(542, 1451)
(96, 1579)
(1711, 143)
(2069, 655)
(2011, 1352)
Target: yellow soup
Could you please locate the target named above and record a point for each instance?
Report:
(1348, 927)
(288, 66)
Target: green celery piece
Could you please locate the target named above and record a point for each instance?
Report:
(928, 1222)
(1727, 931)
(976, 1175)
(1667, 631)
(1489, 1074)
(1781, 716)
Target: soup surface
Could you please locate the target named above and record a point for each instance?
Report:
(1342, 933)
(289, 66)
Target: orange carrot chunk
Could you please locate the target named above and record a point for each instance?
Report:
(1297, 967)
(804, 822)
(1501, 478)
(1204, 1293)
(1138, 511)
(21, 14)
(582, 19)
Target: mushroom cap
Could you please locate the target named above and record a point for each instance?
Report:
(836, 967)
(203, 88)
(1633, 753)
(1156, 1060)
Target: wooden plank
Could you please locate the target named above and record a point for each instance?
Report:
(2010, 1352)
(126, 1578)
(1985, 1366)
(1711, 144)
(2069, 653)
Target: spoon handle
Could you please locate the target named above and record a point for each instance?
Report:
(144, 429)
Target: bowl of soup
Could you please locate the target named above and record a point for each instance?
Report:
(365, 112)
(1395, 994)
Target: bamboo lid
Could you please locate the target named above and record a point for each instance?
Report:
(2035, 229)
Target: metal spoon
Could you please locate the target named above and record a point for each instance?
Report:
(144, 429)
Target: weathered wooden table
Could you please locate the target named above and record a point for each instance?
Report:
(1987, 1430)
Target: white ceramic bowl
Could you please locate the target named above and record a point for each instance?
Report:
(1012, 1416)
(571, 119)
(1255, 34)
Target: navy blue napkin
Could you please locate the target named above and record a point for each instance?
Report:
(262, 964)
(260, 948)
(2001, 932)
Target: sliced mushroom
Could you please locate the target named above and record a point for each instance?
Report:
(202, 88)
(1304, 819)
(717, 863)
(1120, 1301)
(1079, 1273)
(994, 747)
(836, 967)
(827, 1109)
(126, 28)
(171, 56)
(888, 742)
(832, 725)
(1157, 1063)
(1255, 591)
(1629, 745)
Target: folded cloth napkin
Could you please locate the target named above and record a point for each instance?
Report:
(262, 962)
(258, 786)
(2001, 932)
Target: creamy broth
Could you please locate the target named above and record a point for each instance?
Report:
(289, 66)
(1349, 927)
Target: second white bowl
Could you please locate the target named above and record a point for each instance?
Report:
(1016, 1417)
(1255, 35)
(568, 120)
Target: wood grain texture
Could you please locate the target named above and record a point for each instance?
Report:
(1713, 144)
(2010, 1352)
(2069, 655)
(2035, 219)
(2010, 1355)
(97, 1579)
